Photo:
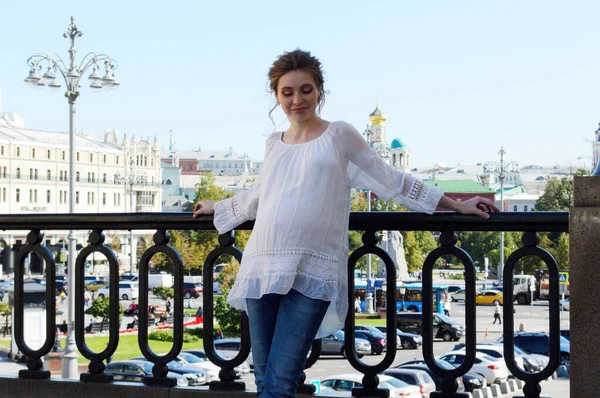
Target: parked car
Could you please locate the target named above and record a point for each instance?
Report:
(194, 376)
(377, 340)
(190, 360)
(229, 348)
(414, 377)
(91, 278)
(539, 343)
(436, 379)
(240, 370)
(444, 327)
(467, 383)
(494, 350)
(136, 370)
(566, 333)
(334, 345)
(405, 340)
(95, 285)
(493, 369)
(191, 289)
(346, 382)
(491, 297)
(454, 288)
(127, 291)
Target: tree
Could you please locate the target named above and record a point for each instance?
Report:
(227, 316)
(5, 311)
(558, 195)
(101, 308)
(163, 292)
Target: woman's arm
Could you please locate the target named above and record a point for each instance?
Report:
(477, 206)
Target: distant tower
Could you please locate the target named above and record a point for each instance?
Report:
(377, 127)
(596, 148)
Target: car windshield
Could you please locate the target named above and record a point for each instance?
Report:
(563, 340)
(521, 351)
(147, 366)
(445, 318)
(190, 358)
(394, 383)
(174, 365)
(339, 334)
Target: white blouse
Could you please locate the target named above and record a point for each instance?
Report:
(301, 204)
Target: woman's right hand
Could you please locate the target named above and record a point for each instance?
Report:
(203, 208)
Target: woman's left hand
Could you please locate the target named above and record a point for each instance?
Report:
(477, 206)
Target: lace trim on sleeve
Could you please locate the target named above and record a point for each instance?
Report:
(227, 215)
(417, 196)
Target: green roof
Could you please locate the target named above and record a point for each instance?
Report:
(459, 186)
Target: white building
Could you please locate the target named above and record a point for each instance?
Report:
(109, 177)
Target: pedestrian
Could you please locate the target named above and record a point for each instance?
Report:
(497, 316)
(218, 334)
(63, 296)
(447, 306)
(199, 318)
(93, 295)
(86, 299)
(168, 305)
(292, 282)
(357, 305)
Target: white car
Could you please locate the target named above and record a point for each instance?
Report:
(565, 304)
(127, 291)
(494, 350)
(344, 383)
(493, 369)
(192, 361)
(459, 295)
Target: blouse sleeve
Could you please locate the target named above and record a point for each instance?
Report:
(366, 170)
(231, 212)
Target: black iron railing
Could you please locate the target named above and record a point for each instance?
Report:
(370, 223)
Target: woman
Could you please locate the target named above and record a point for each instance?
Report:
(292, 280)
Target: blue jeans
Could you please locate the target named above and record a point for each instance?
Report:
(282, 329)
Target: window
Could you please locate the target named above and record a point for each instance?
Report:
(93, 198)
(515, 208)
(60, 175)
(48, 196)
(89, 179)
(18, 172)
(18, 151)
(525, 208)
(114, 199)
(93, 177)
(77, 176)
(4, 172)
(48, 174)
(104, 159)
(35, 174)
(31, 174)
(91, 158)
(4, 194)
(104, 198)
(76, 197)
(117, 160)
(66, 179)
(104, 178)
(88, 195)
(119, 199)
(18, 195)
(2, 150)
(48, 154)
(63, 155)
(33, 153)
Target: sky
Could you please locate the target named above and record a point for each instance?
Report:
(457, 80)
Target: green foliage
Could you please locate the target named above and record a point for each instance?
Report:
(558, 195)
(227, 316)
(167, 335)
(100, 308)
(5, 310)
(417, 246)
(163, 292)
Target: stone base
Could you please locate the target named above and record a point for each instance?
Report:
(34, 374)
(160, 381)
(96, 378)
(217, 385)
(366, 392)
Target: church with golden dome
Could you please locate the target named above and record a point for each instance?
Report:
(396, 153)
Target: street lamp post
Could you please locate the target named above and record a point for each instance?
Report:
(71, 74)
(493, 167)
(402, 293)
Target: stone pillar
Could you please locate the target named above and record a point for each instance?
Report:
(584, 257)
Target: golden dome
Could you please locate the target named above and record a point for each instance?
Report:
(377, 116)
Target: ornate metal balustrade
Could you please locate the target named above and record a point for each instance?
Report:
(446, 223)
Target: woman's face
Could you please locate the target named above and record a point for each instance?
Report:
(298, 95)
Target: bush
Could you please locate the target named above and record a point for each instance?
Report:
(163, 292)
(167, 335)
